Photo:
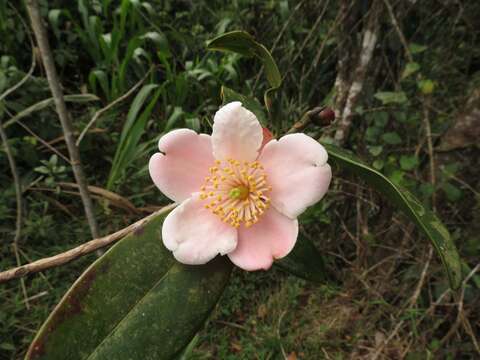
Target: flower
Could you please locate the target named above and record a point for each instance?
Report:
(236, 196)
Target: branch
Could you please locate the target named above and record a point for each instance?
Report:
(79, 251)
(400, 34)
(16, 181)
(12, 164)
(18, 194)
(322, 116)
(54, 84)
(431, 154)
(43, 142)
(412, 302)
(347, 21)
(370, 37)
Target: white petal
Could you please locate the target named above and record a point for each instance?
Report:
(183, 166)
(195, 235)
(237, 134)
(297, 170)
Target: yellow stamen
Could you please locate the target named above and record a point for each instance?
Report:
(238, 192)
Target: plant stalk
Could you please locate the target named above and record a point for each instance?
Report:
(57, 93)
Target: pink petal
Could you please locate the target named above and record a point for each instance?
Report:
(237, 134)
(273, 237)
(195, 235)
(184, 164)
(297, 170)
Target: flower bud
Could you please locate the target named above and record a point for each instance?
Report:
(326, 116)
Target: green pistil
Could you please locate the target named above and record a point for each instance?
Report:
(240, 192)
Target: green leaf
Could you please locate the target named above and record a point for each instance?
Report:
(410, 69)
(252, 104)
(54, 18)
(417, 48)
(243, 43)
(390, 97)
(135, 302)
(132, 131)
(378, 164)
(160, 41)
(392, 138)
(375, 150)
(100, 77)
(408, 162)
(427, 222)
(453, 193)
(137, 105)
(304, 261)
(176, 115)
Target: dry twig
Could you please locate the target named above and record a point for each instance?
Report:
(411, 303)
(13, 166)
(431, 155)
(43, 142)
(18, 194)
(399, 32)
(79, 251)
(462, 316)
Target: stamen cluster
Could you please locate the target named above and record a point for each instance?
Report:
(236, 191)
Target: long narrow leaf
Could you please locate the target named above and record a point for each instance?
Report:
(137, 105)
(243, 43)
(132, 131)
(426, 221)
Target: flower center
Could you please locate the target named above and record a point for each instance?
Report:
(236, 192)
(240, 192)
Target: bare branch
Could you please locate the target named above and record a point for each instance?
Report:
(322, 116)
(43, 142)
(431, 153)
(345, 113)
(399, 32)
(57, 93)
(18, 194)
(12, 164)
(79, 251)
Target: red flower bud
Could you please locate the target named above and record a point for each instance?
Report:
(326, 116)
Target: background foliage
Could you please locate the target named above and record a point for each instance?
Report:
(375, 263)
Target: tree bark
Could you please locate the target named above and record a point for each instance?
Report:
(349, 90)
